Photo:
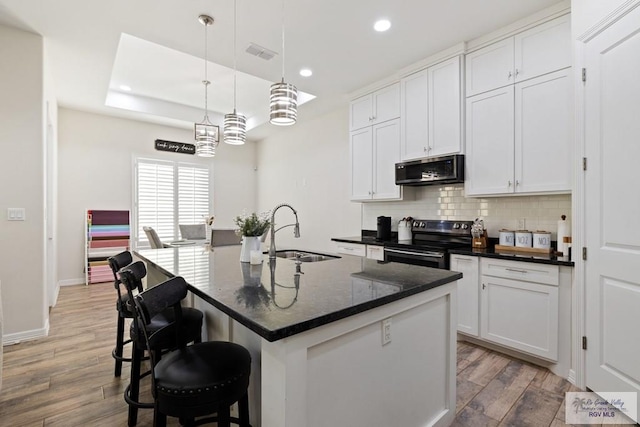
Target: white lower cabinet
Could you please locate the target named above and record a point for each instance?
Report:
(468, 293)
(359, 249)
(510, 303)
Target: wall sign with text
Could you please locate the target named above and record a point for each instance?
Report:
(175, 147)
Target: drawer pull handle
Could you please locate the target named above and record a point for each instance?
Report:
(516, 270)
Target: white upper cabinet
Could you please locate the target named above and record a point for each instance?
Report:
(376, 107)
(374, 153)
(430, 111)
(490, 67)
(534, 52)
(543, 133)
(490, 148)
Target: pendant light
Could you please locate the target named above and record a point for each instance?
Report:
(206, 133)
(283, 100)
(235, 125)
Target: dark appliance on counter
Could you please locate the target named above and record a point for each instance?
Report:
(431, 171)
(384, 228)
(432, 240)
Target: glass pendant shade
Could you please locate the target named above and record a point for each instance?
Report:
(283, 104)
(235, 128)
(206, 136)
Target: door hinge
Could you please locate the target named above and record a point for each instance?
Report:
(584, 343)
(584, 163)
(584, 74)
(584, 253)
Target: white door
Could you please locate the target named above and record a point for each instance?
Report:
(612, 202)
(489, 161)
(414, 115)
(468, 292)
(444, 108)
(490, 67)
(386, 103)
(360, 112)
(386, 153)
(543, 49)
(543, 133)
(361, 164)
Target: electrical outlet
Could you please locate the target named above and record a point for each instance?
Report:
(521, 224)
(386, 331)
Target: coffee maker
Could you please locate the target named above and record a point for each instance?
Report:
(384, 228)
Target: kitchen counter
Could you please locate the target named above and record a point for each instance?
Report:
(328, 338)
(489, 252)
(277, 309)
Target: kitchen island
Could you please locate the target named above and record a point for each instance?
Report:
(316, 331)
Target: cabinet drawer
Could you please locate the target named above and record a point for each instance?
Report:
(375, 252)
(525, 271)
(351, 249)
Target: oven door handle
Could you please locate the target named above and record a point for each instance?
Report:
(429, 254)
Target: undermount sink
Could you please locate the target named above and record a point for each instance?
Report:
(304, 256)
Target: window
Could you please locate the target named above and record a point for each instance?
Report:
(167, 194)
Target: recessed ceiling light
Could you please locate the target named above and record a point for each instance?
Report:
(305, 72)
(382, 25)
(125, 88)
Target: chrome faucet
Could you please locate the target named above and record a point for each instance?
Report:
(296, 229)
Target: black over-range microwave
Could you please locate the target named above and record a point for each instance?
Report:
(433, 170)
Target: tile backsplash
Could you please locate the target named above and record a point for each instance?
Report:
(449, 202)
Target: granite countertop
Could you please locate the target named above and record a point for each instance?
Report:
(272, 305)
(490, 252)
(487, 253)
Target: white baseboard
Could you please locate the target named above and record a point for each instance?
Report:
(18, 337)
(72, 282)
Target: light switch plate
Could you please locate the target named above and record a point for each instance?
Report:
(15, 214)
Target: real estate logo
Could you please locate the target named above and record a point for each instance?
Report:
(601, 408)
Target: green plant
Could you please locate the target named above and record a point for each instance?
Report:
(252, 225)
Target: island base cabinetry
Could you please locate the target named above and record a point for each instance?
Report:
(330, 375)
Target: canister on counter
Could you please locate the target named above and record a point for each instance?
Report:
(523, 238)
(507, 238)
(541, 239)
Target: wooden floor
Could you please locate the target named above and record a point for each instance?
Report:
(67, 378)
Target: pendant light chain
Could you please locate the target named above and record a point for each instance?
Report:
(206, 78)
(235, 64)
(283, 40)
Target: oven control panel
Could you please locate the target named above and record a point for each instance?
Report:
(458, 228)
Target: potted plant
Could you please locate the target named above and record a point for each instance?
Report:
(251, 228)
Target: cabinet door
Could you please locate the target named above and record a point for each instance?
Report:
(386, 103)
(468, 293)
(386, 153)
(520, 315)
(489, 160)
(444, 108)
(361, 164)
(361, 112)
(490, 67)
(414, 115)
(543, 49)
(543, 133)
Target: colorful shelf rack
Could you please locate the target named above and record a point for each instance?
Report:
(107, 233)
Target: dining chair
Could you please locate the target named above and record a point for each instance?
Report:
(189, 330)
(153, 238)
(193, 380)
(193, 231)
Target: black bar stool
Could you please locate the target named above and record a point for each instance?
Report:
(116, 262)
(196, 380)
(190, 330)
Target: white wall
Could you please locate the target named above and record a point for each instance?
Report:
(307, 166)
(95, 163)
(22, 252)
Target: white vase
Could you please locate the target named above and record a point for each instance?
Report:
(249, 243)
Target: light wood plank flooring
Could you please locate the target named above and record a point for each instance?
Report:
(67, 378)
